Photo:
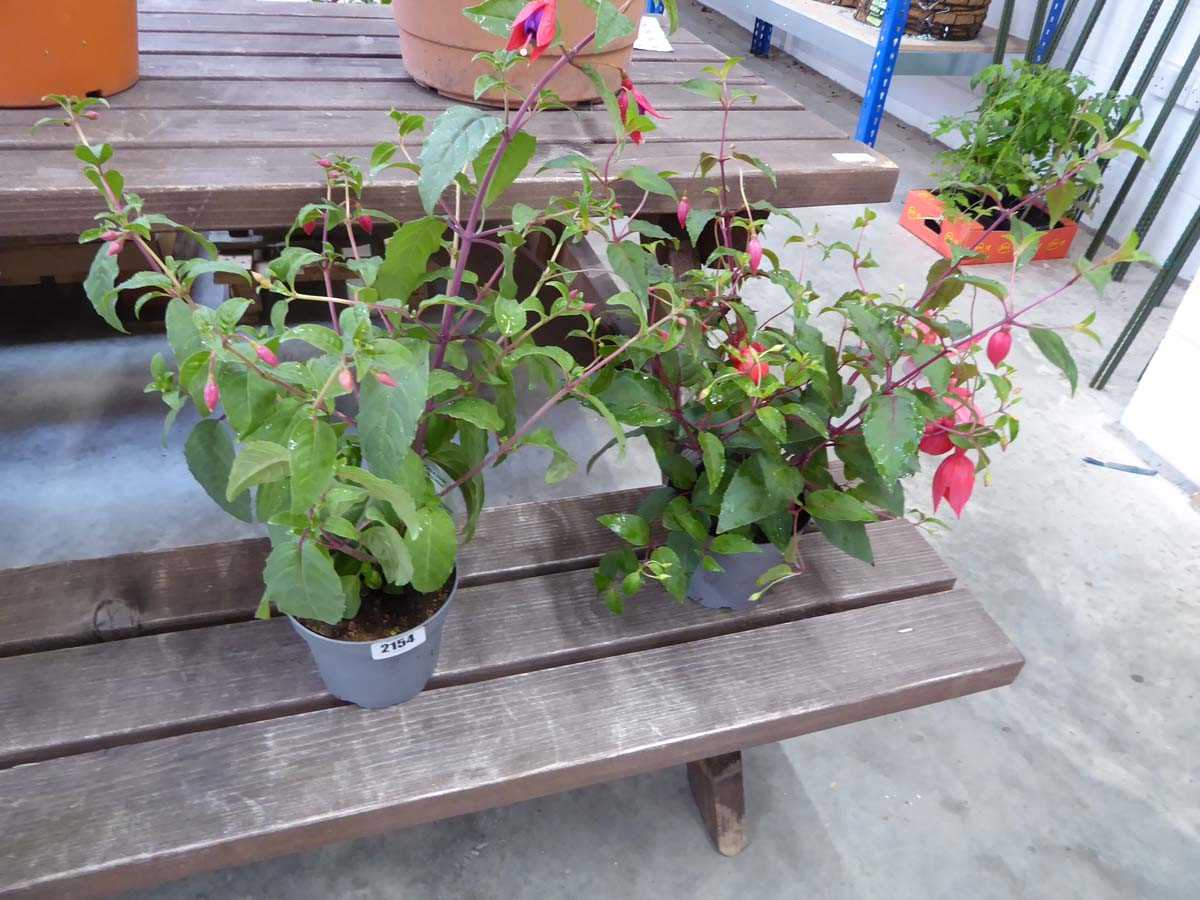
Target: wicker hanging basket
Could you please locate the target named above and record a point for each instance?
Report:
(943, 20)
(851, 3)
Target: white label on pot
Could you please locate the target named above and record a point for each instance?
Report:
(397, 644)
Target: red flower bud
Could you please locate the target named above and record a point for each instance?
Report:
(998, 345)
(682, 210)
(265, 354)
(366, 223)
(755, 252)
(212, 394)
(385, 379)
(91, 114)
(324, 163)
(111, 235)
(346, 379)
(588, 307)
(309, 227)
(115, 247)
(953, 482)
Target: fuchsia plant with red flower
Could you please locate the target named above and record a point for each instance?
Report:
(633, 103)
(534, 28)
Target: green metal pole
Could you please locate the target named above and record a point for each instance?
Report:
(1062, 29)
(1156, 130)
(1006, 15)
(1166, 183)
(1154, 296)
(1136, 46)
(1035, 33)
(1088, 24)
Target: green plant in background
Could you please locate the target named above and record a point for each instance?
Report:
(1032, 122)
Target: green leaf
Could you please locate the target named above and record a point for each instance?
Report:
(678, 516)
(516, 157)
(561, 465)
(388, 416)
(510, 316)
(322, 337)
(671, 573)
(476, 411)
(611, 23)
(1055, 349)
(259, 462)
(1060, 199)
(703, 87)
(629, 262)
(248, 398)
(458, 136)
(302, 582)
(389, 492)
(406, 259)
(649, 181)
(628, 527)
(879, 335)
(772, 419)
(697, 221)
(385, 544)
(729, 544)
(746, 499)
(714, 459)
(849, 537)
(432, 546)
(182, 334)
(837, 506)
(209, 453)
(312, 447)
(495, 16)
(893, 428)
(636, 398)
(99, 287)
(993, 287)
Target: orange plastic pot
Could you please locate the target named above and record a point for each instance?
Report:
(438, 44)
(76, 47)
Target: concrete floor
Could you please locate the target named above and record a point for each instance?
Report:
(1080, 781)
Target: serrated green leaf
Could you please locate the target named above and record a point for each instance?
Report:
(312, 447)
(714, 459)
(301, 581)
(458, 136)
(893, 427)
(628, 527)
(209, 452)
(258, 462)
(432, 545)
(1055, 350)
(836, 506)
(385, 544)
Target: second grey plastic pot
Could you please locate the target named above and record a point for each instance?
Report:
(375, 674)
(732, 588)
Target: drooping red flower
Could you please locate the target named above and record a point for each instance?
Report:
(682, 210)
(536, 24)
(747, 361)
(998, 345)
(309, 227)
(366, 223)
(755, 252)
(212, 394)
(266, 355)
(937, 437)
(953, 482)
(629, 96)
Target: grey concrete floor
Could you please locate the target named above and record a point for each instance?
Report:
(1080, 781)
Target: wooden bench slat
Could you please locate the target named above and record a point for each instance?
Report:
(71, 701)
(233, 23)
(163, 809)
(643, 70)
(257, 8)
(82, 601)
(224, 94)
(343, 45)
(210, 188)
(270, 128)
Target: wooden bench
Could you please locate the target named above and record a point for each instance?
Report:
(150, 730)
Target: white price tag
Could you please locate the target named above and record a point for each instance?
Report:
(651, 36)
(397, 644)
(854, 157)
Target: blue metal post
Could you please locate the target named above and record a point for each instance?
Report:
(1053, 18)
(760, 43)
(891, 30)
(655, 7)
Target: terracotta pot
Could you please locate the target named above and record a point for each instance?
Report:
(438, 43)
(75, 47)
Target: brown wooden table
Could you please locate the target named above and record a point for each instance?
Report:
(237, 96)
(169, 734)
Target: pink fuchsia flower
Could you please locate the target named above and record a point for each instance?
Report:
(628, 95)
(266, 355)
(998, 346)
(746, 360)
(953, 482)
(346, 379)
(927, 334)
(962, 401)
(91, 114)
(115, 247)
(324, 163)
(366, 223)
(536, 23)
(212, 394)
(755, 252)
(936, 441)
(385, 379)
(682, 210)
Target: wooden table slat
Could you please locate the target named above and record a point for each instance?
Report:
(84, 698)
(163, 809)
(82, 601)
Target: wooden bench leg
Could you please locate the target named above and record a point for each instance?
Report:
(716, 784)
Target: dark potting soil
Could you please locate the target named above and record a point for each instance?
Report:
(1034, 216)
(382, 615)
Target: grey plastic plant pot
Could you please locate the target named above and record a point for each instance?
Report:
(386, 672)
(732, 588)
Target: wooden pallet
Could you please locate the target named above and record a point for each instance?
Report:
(168, 734)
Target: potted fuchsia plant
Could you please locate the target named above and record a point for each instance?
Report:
(404, 399)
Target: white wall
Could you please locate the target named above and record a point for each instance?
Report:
(1162, 411)
(920, 101)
